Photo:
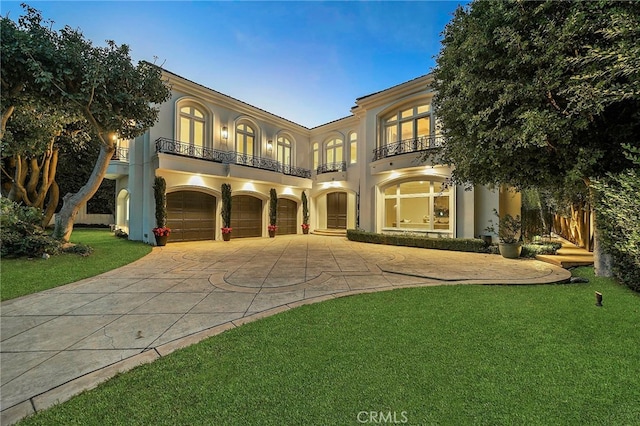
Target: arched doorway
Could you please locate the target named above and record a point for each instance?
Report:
(337, 210)
(287, 216)
(246, 216)
(191, 216)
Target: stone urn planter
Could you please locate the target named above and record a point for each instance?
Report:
(510, 250)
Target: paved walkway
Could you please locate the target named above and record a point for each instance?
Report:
(61, 341)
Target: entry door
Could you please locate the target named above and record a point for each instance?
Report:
(287, 212)
(337, 210)
(246, 216)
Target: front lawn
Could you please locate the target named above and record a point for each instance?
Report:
(436, 355)
(20, 277)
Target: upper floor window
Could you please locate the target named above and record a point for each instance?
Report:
(192, 125)
(353, 144)
(315, 155)
(407, 124)
(333, 151)
(245, 139)
(284, 150)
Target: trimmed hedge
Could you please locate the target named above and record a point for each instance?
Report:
(532, 250)
(408, 240)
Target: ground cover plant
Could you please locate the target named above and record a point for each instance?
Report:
(23, 276)
(435, 355)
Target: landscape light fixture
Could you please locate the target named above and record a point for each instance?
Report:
(598, 298)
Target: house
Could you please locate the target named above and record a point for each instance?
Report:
(366, 170)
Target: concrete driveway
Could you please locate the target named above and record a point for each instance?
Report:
(59, 342)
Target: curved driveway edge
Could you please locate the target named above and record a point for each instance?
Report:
(60, 342)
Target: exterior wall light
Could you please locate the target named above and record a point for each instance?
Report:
(269, 145)
(225, 133)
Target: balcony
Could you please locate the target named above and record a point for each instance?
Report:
(423, 143)
(169, 146)
(121, 154)
(332, 167)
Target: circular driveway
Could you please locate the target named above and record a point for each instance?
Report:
(62, 341)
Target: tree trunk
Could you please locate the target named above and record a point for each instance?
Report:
(602, 261)
(72, 202)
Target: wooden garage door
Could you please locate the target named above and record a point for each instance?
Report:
(337, 210)
(246, 216)
(191, 215)
(287, 212)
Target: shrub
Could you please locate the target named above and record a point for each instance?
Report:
(21, 233)
(618, 220)
(532, 250)
(80, 248)
(119, 233)
(412, 240)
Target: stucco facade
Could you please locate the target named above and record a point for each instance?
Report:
(367, 170)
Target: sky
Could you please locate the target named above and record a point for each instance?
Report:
(305, 61)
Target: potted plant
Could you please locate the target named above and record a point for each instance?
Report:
(161, 231)
(273, 212)
(305, 214)
(508, 229)
(226, 211)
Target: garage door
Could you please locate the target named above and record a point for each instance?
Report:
(191, 215)
(246, 216)
(287, 212)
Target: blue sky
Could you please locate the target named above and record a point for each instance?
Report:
(304, 61)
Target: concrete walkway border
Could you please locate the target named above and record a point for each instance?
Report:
(60, 342)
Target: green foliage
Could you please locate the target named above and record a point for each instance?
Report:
(618, 219)
(273, 206)
(508, 228)
(21, 234)
(455, 244)
(532, 250)
(80, 248)
(305, 209)
(119, 233)
(515, 94)
(226, 205)
(160, 195)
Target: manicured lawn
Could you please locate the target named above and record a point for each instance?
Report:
(453, 355)
(21, 276)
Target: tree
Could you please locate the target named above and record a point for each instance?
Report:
(113, 97)
(539, 94)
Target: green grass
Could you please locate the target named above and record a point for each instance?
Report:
(450, 355)
(20, 277)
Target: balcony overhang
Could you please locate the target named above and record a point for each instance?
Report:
(117, 169)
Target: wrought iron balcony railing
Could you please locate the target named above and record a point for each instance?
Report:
(169, 146)
(332, 167)
(121, 154)
(422, 143)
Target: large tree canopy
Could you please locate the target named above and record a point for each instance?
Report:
(62, 75)
(539, 94)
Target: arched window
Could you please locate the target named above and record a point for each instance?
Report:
(408, 124)
(316, 155)
(284, 150)
(333, 151)
(192, 126)
(245, 139)
(353, 144)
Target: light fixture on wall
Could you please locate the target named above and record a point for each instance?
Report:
(269, 145)
(225, 132)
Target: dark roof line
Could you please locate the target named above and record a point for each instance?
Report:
(227, 96)
(389, 88)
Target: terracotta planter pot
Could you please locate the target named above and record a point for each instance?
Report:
(305, 230)
(510, 251)
(226, 236)
(272, 234)
(161, 240)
